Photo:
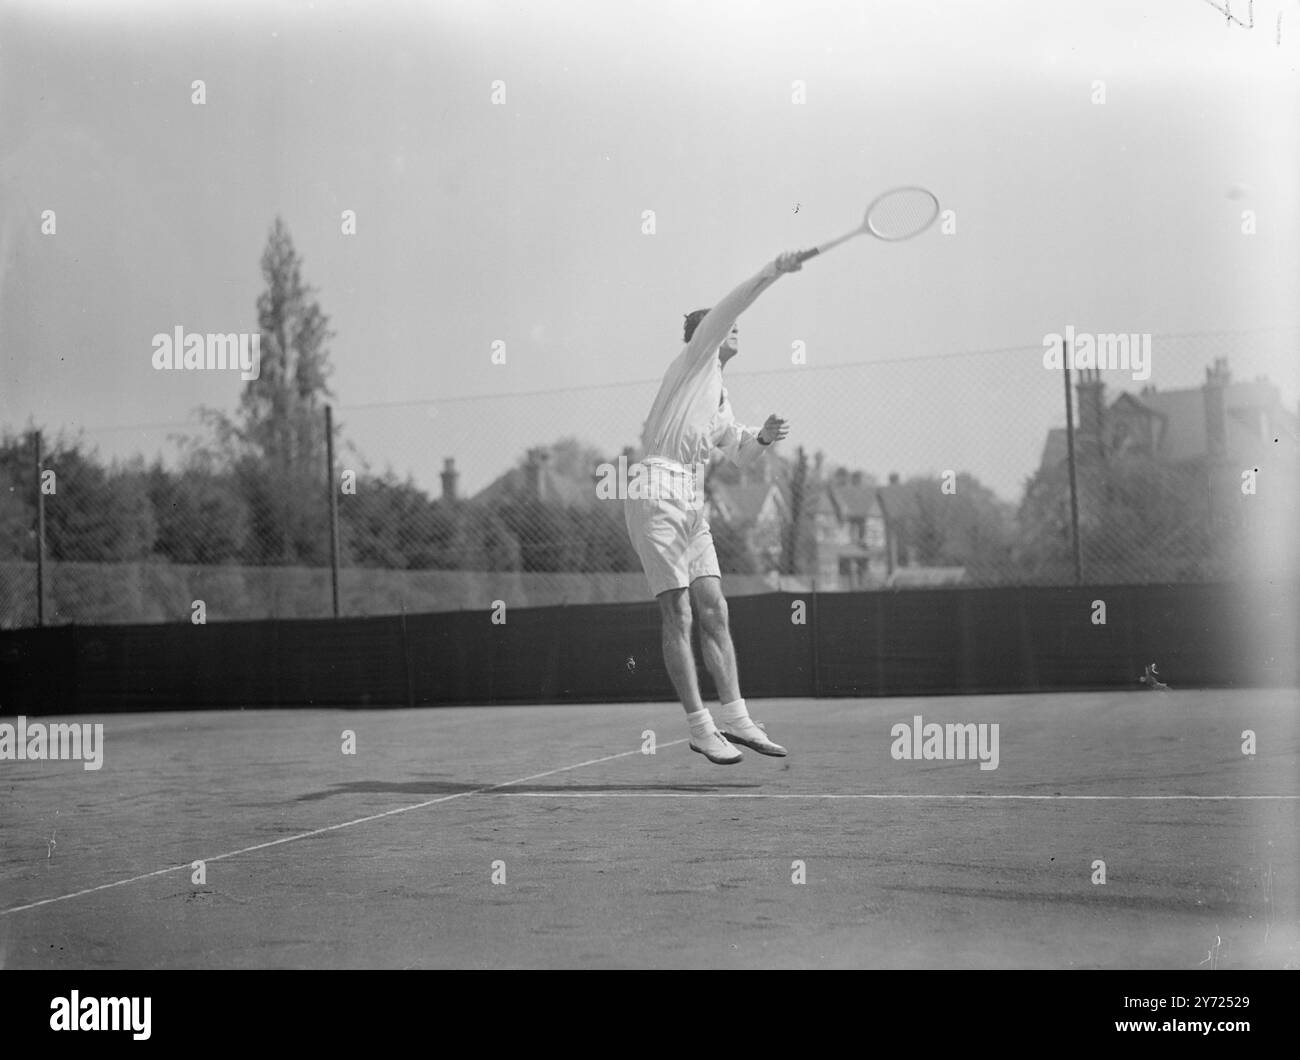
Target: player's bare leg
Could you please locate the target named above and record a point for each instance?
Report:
(720, 657)
(679, 658)
(715, 636)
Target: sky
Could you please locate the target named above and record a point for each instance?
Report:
(1096, 157)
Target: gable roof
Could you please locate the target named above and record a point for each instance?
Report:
(741, 505)
(817, 501)
(852, 501)
(1183, 414)
(1056, 449)
(1251, 411)
(556, 488)
(1248, 407)
(898, 501)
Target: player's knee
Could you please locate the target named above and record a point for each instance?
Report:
(713, 615)
(675, 608)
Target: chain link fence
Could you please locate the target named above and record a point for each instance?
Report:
(898, 473)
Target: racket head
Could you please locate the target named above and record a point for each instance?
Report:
(901, 213)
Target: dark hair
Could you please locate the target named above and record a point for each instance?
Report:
(693, 322)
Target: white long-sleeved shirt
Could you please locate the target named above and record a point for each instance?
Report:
(691, 413)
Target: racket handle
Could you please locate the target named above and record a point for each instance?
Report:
(806, 254)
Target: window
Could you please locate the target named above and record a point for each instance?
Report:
(853, 572)
(875, 537)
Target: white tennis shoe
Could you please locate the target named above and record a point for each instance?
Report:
(751, 734)
(717, 750)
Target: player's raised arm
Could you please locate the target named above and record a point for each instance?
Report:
(717, 322)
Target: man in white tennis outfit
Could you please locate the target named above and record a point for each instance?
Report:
(690, 416)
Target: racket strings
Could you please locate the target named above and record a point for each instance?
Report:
(902, 213)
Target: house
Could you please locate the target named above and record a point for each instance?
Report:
(1224, 425)
(1229, 453)
(849, 536)
(900, 510)
(760, 511)
(539, 480)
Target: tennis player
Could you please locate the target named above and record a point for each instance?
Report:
(691, 416)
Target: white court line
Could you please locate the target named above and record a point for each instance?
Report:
(327, 828)
(775, 795)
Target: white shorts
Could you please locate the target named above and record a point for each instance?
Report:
(673, 539)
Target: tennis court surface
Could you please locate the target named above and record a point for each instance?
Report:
(605, 856)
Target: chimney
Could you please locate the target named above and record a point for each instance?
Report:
(1092, 402)
(1261, 411)
(1216, 382)
(819, 459)
(449, 477)
(535, 473)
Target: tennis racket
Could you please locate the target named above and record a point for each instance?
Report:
(898, 214)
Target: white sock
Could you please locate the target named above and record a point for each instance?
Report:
(701, 723)
(734, 713)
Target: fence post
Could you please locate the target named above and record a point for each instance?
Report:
(406, 659)
(1069, 443)
(334, 508)
(40, 536)
(816, 656)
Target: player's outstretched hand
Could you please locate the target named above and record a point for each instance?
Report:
(773, 430)
(788, 262)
